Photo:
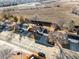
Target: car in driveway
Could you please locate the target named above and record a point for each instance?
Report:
(22, 29)
(73, 38)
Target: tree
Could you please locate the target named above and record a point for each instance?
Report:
(7, 12)
(60, 22)
(78, 31)
(5, 16)
(15, 19)
(21, 19)
(57, 36)
(69, 25)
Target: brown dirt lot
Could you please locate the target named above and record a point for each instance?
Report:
(51, 14)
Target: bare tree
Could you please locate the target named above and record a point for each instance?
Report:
(57, 36)
(70, 25)
(60, 22)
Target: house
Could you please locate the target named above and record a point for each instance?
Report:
(73, 38)
(40, 21)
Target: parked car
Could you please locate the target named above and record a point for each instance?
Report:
(42, 31)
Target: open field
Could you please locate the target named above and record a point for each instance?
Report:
(49, 14)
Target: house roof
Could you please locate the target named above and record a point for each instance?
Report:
(42, 20)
